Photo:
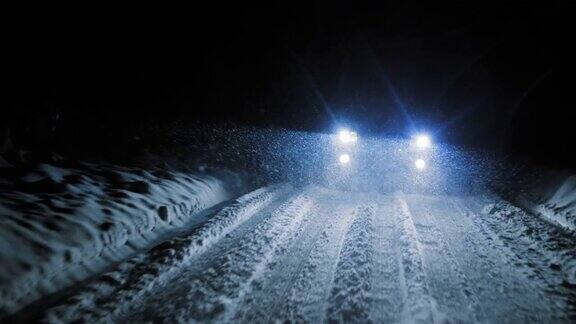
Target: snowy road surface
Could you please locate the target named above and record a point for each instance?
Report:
(318, 255)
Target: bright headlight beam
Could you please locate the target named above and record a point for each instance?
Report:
(422, 141)
(420, 164)
(347, 136)
(344, 158)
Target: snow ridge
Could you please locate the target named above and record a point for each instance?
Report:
(350, 296)
(386, 297)
(418, 304)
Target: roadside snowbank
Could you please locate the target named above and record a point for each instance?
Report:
(558, 204)
(60, 225)
(553, 196)
(108, 294)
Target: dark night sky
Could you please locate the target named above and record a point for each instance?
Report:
(476, 74)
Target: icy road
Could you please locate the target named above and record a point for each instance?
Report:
(319, 255)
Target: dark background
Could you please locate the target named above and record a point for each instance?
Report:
(104, 79)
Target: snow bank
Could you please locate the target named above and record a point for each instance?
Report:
(553, 197)
(60, 225)
(109, 293)
(560, 204)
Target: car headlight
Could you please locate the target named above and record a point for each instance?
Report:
(344, 158)
(345, 136)
(420, 164)
(422, 141)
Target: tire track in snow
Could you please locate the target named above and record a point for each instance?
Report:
(213, 293)
(418, 305)
(349, 299)
(305, 300)
(484, 270)
(521, 242)
(108, 294)
(543, 248)
(386, 298)
(498, 288)
(271, 288)
(450, 287)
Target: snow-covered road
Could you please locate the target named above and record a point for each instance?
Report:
(319, 255)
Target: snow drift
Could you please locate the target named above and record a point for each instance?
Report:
(60, 225)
